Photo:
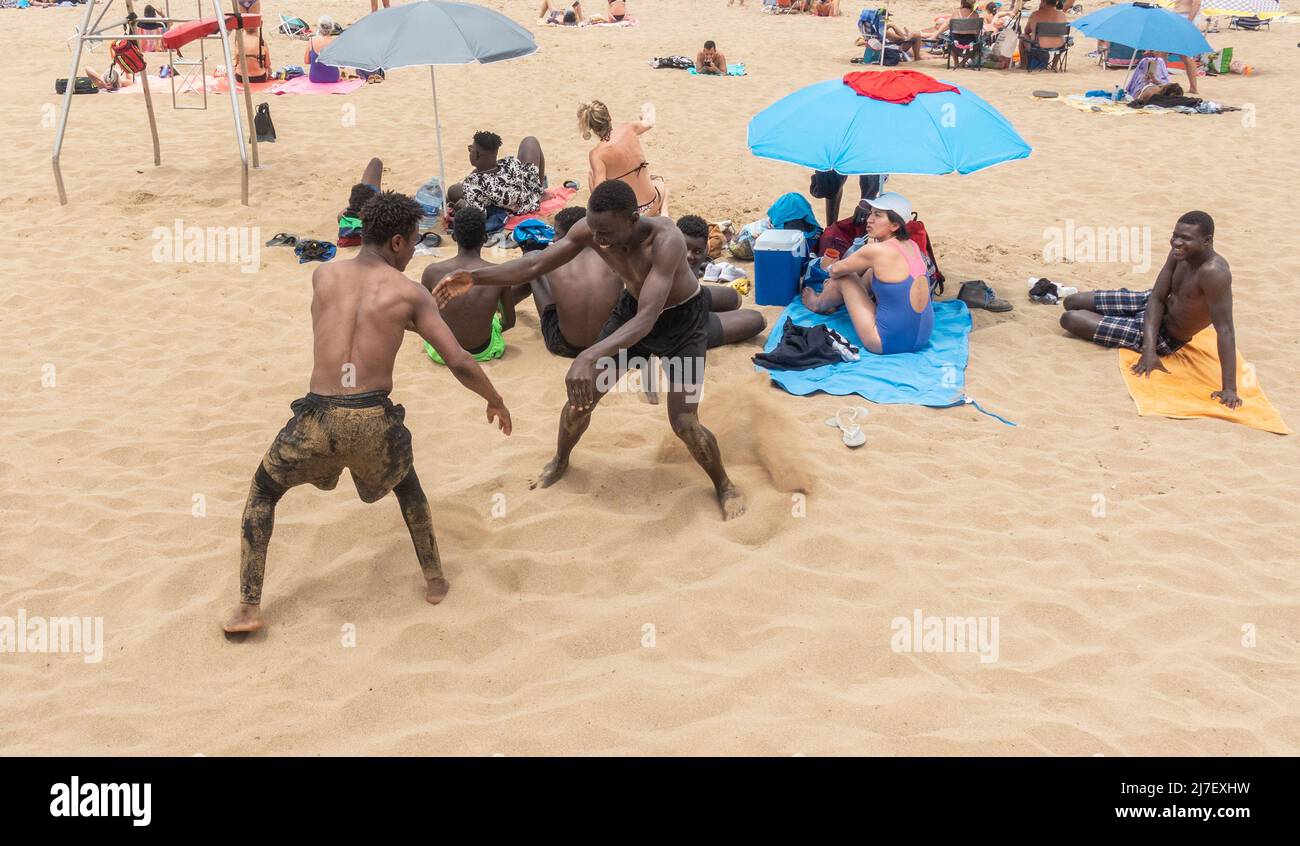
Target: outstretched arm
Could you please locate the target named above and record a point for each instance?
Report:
(647, 121)
(520, 270)
(1218, 293)
(429, 325)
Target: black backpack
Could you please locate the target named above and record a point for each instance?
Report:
(262, 124)
(84, 85)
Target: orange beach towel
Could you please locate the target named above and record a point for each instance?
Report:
(1194, 374)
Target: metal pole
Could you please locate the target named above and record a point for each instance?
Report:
(234, 99)
(67, 99)
(437, 130)
(1128, 73)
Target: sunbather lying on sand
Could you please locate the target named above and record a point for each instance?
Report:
(1192, 291)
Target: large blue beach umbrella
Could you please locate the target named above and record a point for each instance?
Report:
(829, 126)
(1144, 27)
(430, 32)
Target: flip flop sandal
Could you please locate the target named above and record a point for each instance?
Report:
(311, 250)
(283, 239)
(851, 432)
(429, 239)
(1046, 95)
(572, 184)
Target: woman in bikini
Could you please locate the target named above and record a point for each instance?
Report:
(884, 285)
(618, 155)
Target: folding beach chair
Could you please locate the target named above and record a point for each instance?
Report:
(962, 51)
(294, 27)
(1251, 23)
(871, 24)
(1055, 57)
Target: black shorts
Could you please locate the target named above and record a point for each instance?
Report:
(553, 337)
(678, 339)
(827, 183)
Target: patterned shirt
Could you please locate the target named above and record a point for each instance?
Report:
(515, 186)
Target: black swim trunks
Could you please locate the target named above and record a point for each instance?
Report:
(363, 432)
(679, 338)
(554, 338)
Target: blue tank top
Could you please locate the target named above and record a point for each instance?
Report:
(901, 327)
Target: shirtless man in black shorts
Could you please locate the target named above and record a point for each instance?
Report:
(661, 312)
(1193, 290)
(361, 310)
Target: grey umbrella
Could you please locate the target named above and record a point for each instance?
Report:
(431, 32)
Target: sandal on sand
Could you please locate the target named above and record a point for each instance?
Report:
(312, 250)
(283, 239)
(572, 184)
(976, 294)
(850, 432)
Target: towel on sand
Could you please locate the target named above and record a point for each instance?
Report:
(553, 199)
(1194, 374)
(303, 85)
(733, 69)
(933, 376)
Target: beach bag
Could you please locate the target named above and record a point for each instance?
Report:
(83, 85)
(262, 124)
(127, 56)
(916, 231)
(533, 234)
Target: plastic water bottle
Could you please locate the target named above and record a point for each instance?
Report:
(429, 196)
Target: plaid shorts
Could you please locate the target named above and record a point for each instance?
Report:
(1123, 313)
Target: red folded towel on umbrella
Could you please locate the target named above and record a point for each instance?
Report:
(895, 86)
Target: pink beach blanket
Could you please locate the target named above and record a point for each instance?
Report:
(553, 199)
(303, 85)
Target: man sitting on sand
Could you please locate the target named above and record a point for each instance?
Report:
(501, 187)
(710, 60)
(574, 300)
(1193, 290)
(479, 318)
(728, 322)
(361, 309)
(662, 312)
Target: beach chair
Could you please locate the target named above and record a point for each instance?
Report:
(294, 27)
(1056, 57)
(871, 25)
(963, 52)
(1250, 23)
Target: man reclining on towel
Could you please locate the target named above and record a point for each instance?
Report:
(1192, 291)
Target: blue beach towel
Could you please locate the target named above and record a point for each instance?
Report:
(733, 69)
(934, 376)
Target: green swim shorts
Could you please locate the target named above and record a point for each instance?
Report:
(496, 345)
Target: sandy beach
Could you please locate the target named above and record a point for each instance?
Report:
(615, 613)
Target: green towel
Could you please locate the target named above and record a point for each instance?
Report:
(495, 348)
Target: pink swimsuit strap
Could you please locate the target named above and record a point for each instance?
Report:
(915, 264)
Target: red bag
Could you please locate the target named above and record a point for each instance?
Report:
(127, 55)
(916, 231)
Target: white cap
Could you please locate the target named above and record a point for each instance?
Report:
(894, 202)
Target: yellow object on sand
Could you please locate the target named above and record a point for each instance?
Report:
(742, 286)
(1194, 374)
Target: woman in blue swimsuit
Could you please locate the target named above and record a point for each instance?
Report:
(884, 285)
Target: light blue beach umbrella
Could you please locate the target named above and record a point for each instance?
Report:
(431, 32)
(1144, 27)
(829, 126)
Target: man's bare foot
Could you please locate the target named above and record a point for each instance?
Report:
(550, 474)
(437, 591)
(247, 618)
(731, 501)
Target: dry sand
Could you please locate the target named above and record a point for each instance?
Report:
(1120, 634)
